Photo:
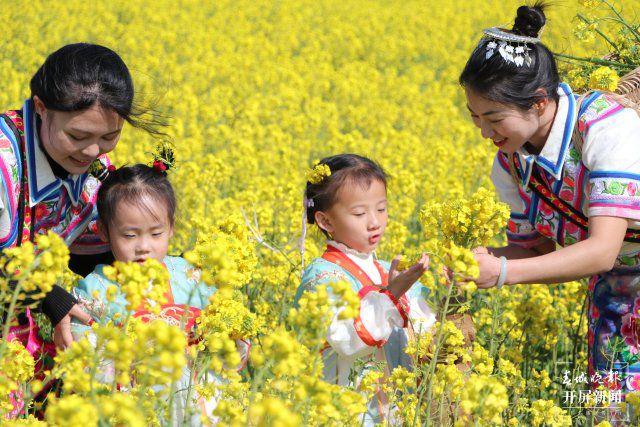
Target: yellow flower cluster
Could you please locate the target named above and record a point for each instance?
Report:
(35, 270)
(604, 78)
(546, 412)
(466, 222)
(229, 315)
(143, 284)
(22, 364)
(483, 400)
(318, 173)
(159, 352)
(224, 253)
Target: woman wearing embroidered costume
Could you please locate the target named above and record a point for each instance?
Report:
(80, 98)
(136, 208)
(569, 167)
(346, 198)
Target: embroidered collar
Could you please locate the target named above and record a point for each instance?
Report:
(555, 149)
(347, 250)
(42, 181)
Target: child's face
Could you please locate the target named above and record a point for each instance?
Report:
(359, 217)
(139, 231)
(508, 127)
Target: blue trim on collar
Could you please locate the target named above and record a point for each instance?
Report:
(35, 195)
(74, 183)
(570, 122)
(587, 102)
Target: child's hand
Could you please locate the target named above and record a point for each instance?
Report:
(401, 281)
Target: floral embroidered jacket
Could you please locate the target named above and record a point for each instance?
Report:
(66, 206)
(601, 178)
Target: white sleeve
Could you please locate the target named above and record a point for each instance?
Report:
(611, 153)
(371, 329)
(421, 315)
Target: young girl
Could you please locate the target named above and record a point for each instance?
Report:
(136, 210)
(350, 208)
(570, 170)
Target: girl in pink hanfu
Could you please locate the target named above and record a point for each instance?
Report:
(350, 208)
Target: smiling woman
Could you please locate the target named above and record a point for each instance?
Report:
(80, 98)
(568, 166)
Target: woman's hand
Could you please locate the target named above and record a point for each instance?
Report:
(62, 332)
(489, 267)
(480, 250)
(401, 281)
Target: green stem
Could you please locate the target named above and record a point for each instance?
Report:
(434, 359)
(596, 61)
(600, 33)
(494, 321)
(622, 21)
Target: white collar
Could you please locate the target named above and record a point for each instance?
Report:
(555, 149)
(348, 251)
(365, 261)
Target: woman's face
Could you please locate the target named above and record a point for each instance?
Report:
(508, 127)
(75, 139)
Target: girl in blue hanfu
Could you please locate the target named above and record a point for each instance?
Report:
(347, 200)
(569, 167)
(136, 211)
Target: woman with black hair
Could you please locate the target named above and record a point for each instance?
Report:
(80, 98)
(569, 167)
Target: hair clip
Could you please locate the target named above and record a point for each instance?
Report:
(318, 173)
(163, 158)
(98, 170)
(308, 203)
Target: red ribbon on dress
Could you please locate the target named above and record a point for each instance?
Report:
(336, 256)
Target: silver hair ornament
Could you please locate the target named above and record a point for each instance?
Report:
(511, 47)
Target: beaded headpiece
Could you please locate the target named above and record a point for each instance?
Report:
(511, 47)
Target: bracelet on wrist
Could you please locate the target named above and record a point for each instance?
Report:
(502, 277)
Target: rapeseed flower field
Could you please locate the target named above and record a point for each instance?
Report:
(254, 93)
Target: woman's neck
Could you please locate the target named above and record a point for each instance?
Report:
(57, 170)
(548, 116)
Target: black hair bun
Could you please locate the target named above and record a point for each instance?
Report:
(529, 20)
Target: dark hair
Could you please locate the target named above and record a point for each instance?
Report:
(131, 184)
(78, 75)
(344, 168)
(505, 82)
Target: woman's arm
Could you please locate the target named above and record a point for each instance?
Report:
(512, 251)
(596, 254)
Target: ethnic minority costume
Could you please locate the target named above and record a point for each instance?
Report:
(381, 331)
(602, 178)
(186, 297)
(34, 199)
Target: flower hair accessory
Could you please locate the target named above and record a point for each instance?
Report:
(308, 203)
(163, 158)
(511, 47)
(318, 173)
(98, 170)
